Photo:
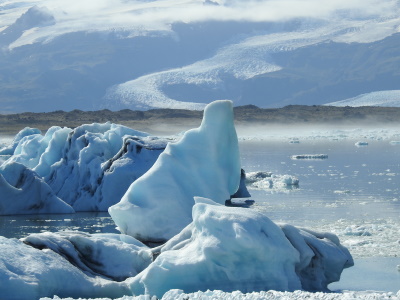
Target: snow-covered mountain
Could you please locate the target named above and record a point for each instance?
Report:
(381, 98)
(58, 54)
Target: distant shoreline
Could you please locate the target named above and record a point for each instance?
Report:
(167, 121)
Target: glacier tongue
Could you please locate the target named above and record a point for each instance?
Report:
(205, 163)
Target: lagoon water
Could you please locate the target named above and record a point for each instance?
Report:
(354, 193)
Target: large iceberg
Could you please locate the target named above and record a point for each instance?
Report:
(89, 167)
(230, 249)
(224, 248)
(204, 163)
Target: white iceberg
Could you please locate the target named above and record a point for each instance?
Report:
(205, 163)
(231, 249)
(22, 191)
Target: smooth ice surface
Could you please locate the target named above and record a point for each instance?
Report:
(89, 167)
(205, 162)
(230, 249)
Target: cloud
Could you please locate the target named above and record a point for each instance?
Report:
(160, 14)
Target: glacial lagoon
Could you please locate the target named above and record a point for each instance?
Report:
(353, 192)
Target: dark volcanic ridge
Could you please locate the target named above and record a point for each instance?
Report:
(247, 115)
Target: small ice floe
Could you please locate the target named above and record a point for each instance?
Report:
(294, 141)
(268, 181)
(342, 192)
(309, 156)
(394, 142)
(357, 231)
(361, 144)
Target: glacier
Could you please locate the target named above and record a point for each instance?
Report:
(152, 54)
(222, 248)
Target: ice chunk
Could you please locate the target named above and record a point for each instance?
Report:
(27, 273)
(90, 167)
(112, 256)
(269, 181)
(225, 249)
(230, 249)
(361, 144)
(24, 192)
(27, 131)
(309, 156)
(205, 162)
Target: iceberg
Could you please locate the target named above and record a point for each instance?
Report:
(28, 273)
(111, 256)
(204, 163)
(89, 167)
(269, 181)
(22, 191)
(207, 245)
(27, 131)
(230, 249)
(309, 156)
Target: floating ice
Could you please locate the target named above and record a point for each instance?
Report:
(205, 162)
(112, 256)
(361, 144)
(269, 181)
(90, 167)
(28, 273)
(231, 249)
(22, 191)
(27, 131)
(309, 156)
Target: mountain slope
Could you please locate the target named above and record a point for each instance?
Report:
(185, 53)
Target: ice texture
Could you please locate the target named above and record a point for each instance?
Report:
(205, 163)
(22, 191)
(268, 181)
(27, 131)
(89, 167)
(179, 200)
(230, 249)
(112, 256)
(27, 273)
